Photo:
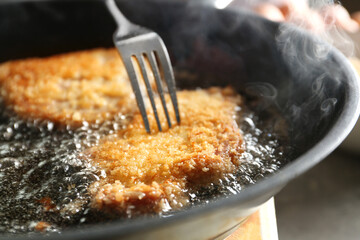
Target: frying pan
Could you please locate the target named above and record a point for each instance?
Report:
(312, 85)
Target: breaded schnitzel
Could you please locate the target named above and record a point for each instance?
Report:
(144, 172)
(153, 172)
(69, 88)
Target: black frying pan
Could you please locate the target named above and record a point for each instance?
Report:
(309, 82)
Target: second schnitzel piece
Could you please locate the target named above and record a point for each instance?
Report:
(68, 88)
(155, 172)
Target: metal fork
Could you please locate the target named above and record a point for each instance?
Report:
(136, 44)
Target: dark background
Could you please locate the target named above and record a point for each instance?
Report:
(351, 5)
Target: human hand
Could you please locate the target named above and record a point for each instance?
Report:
(316, 19)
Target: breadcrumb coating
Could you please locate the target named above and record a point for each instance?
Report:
(153, 172)
(69, 88)
(145, 173)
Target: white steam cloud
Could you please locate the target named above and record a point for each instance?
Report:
(325, 18)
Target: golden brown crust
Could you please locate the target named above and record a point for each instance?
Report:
(161, 166)
(145, 173)
(69, 88)
(42, 226)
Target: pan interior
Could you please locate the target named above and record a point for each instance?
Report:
(208, 47)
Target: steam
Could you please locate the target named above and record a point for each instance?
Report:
(327, 19)
(320, 19)
(305, 57)
(336, 18)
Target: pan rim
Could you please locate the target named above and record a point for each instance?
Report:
(338, 132)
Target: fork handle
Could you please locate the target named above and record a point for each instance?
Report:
(124, 25)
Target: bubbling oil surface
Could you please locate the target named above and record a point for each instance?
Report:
(44, 177)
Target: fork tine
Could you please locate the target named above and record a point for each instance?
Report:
(135, 85)
(149, 90)
(164, 59)
(155, 70)
(129, 38)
